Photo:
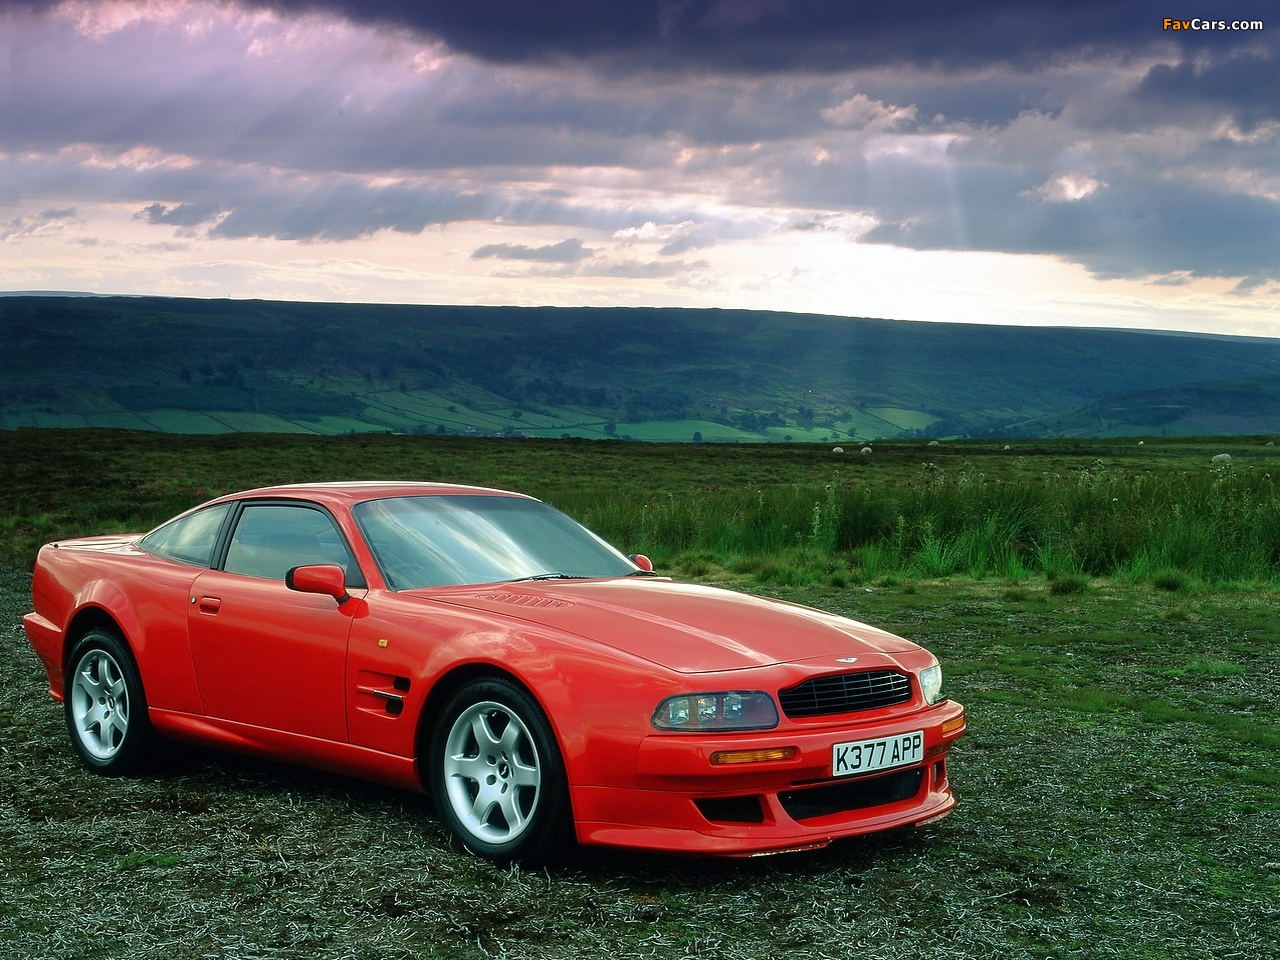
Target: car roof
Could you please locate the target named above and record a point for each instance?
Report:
(349, 493)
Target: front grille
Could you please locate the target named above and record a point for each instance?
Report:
(845, 693)
(854, 795)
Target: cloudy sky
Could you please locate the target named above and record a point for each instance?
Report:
(1001, 161)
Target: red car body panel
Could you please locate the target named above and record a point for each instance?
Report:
(247, 664)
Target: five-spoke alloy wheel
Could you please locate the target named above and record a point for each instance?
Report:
(497, 774)
(105, 707)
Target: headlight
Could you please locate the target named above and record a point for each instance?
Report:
(727, 710)
(931, 683)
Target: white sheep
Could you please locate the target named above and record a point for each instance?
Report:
(1222, 458)
(837, 449)
(933, 443)
(866, 449)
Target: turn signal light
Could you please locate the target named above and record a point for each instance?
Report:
(952, 725)
(753, 756)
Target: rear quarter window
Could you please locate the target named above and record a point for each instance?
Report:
(188, 539)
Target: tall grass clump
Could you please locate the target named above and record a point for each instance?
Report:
(1216, 526)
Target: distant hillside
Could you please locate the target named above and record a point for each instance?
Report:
(1187, 410)
(217, 365)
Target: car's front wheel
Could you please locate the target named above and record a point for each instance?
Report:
(105, 707)
(497, 775)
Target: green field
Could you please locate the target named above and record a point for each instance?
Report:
(794, 514)
(1119, 786)
(655, 374)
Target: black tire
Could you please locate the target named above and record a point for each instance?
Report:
(506, 798)
(106, 708)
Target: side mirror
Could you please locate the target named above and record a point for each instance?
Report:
(641, 561)
(326, 578)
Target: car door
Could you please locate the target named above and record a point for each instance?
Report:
(264, 654)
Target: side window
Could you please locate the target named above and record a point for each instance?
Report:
(189, 539)
(271, 538)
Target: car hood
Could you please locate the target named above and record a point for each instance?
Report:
(685, 627)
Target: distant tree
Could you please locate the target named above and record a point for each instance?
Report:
(441, 428)
(610, 428)
(516, 414)
(697, 436)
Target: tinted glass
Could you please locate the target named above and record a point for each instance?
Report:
(189, 539)
(270, 539)
(447, 540)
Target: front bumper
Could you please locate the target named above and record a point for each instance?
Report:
(685, 804)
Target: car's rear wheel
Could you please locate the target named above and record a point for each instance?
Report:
(105, 707)
(497, 774)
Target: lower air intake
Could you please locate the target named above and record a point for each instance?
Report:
(731, 809)
(855, 795)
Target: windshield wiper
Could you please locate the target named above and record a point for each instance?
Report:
(546, 576)
(641, 573)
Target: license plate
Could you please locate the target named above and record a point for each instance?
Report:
(863, 756)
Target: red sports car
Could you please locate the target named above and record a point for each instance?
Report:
(484, 647)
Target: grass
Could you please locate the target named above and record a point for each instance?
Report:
(1101, 791)
(1118, 784)
(1160, 513)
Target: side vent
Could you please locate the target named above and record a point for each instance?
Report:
(381, 693)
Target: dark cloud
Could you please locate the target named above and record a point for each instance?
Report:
(566, 251)
(1133, 227)
(1247, 84)
(180, 215)
(762, 36)
(26, 224)
(1023, 128)
(757, 36)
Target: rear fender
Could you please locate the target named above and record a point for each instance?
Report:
(101, 603)
(159, 642)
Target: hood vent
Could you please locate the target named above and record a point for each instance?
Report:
(524, 600)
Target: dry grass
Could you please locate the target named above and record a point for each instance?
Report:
(1085, 829)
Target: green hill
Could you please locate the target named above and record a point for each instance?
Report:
(1187, 410)
(205, 366)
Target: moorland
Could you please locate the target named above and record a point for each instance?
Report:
(218, 366)
(1105, 610)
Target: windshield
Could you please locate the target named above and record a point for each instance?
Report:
(452, 540)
